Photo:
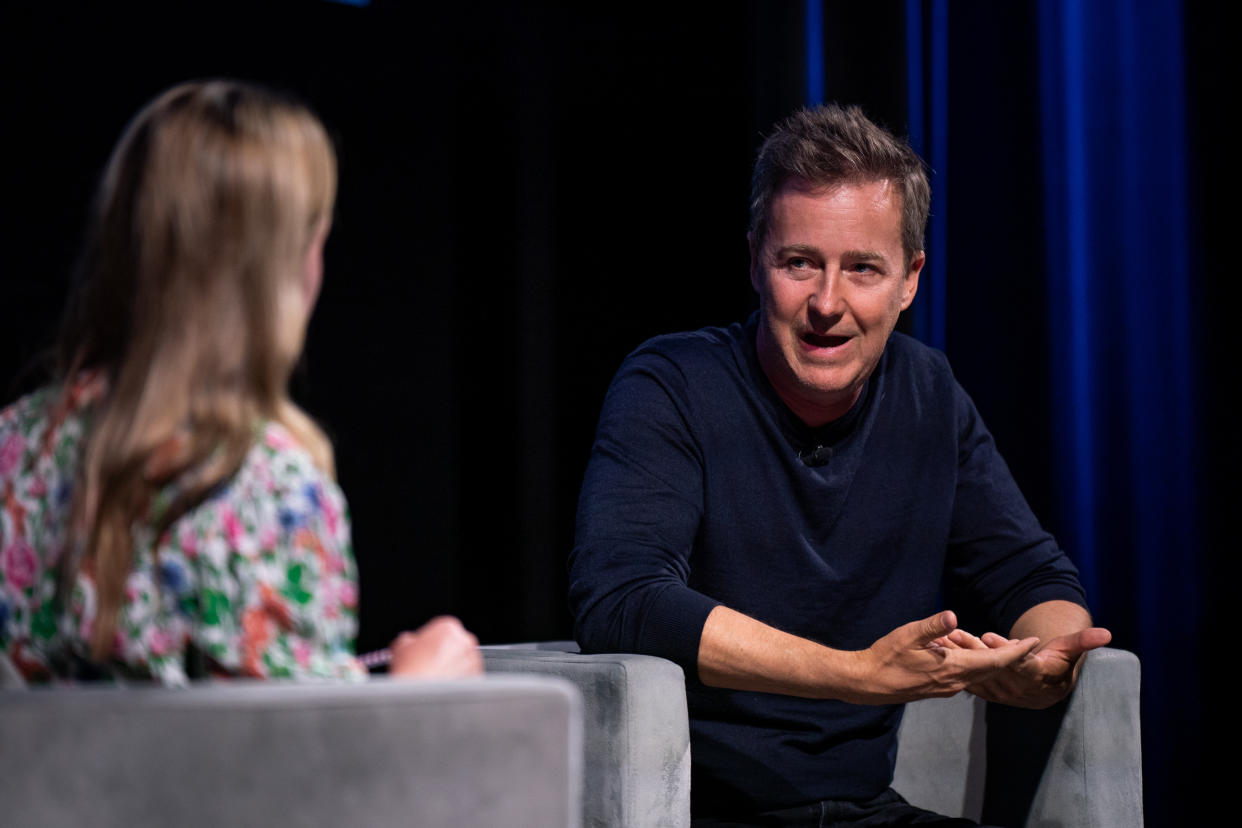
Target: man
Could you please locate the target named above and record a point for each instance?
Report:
(775, 506)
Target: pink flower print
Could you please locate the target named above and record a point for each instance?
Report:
(161, 642)
(275, 438)
(302, 652)
(37, 487)
(331, 517)
(10, 454)
(348, 594)
(267, 537)
(232, 527)
(19, 564)
(333, 562)
(188, 541)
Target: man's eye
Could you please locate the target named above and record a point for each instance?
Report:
(862, 267)
(799, 263)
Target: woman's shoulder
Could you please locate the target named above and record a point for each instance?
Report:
(47, 422)
(286, 464)
(24, 426)
(278, 493)
(41, 440)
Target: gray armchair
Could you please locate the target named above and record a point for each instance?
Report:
(492, 751)
(636, 736)
(1078, 764)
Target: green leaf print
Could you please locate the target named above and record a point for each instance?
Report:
(215, 606)
(43, 622)
(294, 590)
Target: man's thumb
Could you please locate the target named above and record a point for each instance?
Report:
(942, 623)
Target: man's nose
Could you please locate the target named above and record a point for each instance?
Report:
(827, 300)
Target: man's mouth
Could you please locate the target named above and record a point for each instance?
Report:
(823, 340)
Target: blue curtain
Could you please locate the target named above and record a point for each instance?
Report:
(1119, 300)
(813, 29)
(927, 103)
(1119, 350)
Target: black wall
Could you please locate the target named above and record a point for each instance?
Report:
(528, 191)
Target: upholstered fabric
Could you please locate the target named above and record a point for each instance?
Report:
(1094, 775)
(941, 755)
(636, 736)
(493, 751)
(1077, 764)
(9, 677)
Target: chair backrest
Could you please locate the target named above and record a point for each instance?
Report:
(493, 751)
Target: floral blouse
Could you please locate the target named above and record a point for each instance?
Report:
(257, 580)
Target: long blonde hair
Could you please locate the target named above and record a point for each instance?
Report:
(190, 300)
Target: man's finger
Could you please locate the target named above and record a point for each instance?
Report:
(929, 629)
(1075, 644)
(965, 640)
(1094, 637)
(1010, 653)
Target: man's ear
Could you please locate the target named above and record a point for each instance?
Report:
(911, 286)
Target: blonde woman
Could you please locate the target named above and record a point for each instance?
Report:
(167, 511)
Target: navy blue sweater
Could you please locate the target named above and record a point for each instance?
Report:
(704, 489)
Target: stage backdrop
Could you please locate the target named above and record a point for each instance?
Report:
(530, 190)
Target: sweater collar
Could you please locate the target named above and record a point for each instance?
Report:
(800, 435)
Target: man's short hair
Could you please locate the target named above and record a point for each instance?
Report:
(831, 145)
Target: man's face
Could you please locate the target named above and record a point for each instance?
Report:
(832, 279)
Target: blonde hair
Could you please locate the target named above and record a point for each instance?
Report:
(190, 298)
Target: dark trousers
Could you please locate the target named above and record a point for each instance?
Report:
(886, 809)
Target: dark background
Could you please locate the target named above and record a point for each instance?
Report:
(530, 190)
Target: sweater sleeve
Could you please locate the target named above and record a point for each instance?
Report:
(638, 514)
(999, 556)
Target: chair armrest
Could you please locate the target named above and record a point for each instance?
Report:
(1075, 764)
(1094, 775)
(493, 751)
(636, 732)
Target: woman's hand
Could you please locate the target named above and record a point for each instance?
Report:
(441, 648)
